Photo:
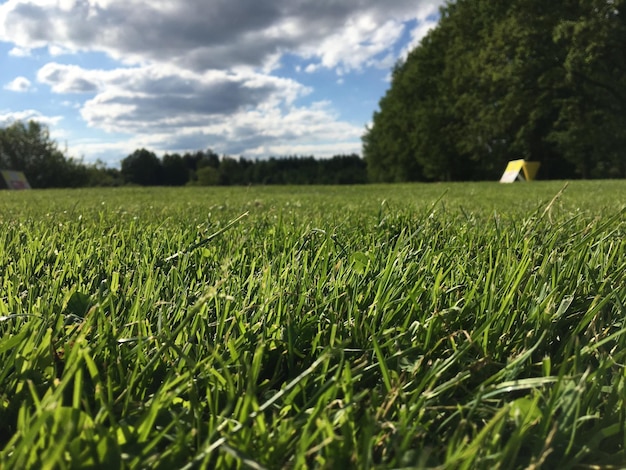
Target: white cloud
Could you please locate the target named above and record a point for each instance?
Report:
(324, 150)
(200, 35)
(268, 130)
(129, 99)
(70, 104)
(19, 84)
(69, 78)
(110, 153)
(9, 117)
(357, 44)
(301, 131)
(195, 73)
(311, 68)
(19, 52)
(417, 34)
(56, 50)
(175, 109)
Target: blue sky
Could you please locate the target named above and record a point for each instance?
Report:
(242, 77)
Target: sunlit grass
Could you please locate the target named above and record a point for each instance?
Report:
(453, 326)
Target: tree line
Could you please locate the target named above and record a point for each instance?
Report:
(206, 168)
(498, 80)
(27, 147)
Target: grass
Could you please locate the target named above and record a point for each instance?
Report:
(424, 326)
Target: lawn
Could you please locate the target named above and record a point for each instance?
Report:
(467, 325)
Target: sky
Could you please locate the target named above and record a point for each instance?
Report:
(252, 78)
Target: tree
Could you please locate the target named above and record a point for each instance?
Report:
(174, 170)
(503, 79)
(341, 169)
(591, 126)
(29, 148)
(414, 134)
(207, 176)
(98, 174)
(386, 147)
(142, 167)
(516, 83)
(229, 172)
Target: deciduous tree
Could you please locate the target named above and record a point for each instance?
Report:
(28, 147)
(142, 167)
(504, 79)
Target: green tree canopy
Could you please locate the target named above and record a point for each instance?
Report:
(504, 79)
(175, 171)
(27, 147)
(142, 167)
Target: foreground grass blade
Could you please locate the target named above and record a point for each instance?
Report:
(415, 326)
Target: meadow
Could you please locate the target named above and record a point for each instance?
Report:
(454, 326)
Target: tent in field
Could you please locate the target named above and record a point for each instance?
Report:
(13, 180)
(520, 170)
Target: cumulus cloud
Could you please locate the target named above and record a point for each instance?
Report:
(68, 78)
(175, 109)
(200, 35)
(19, 52)
(301, 131)
(19, 84)
(356, 45)
(272, 132)
(168, 96)
(194, 73)
(9, 117)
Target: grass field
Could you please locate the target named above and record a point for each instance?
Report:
(424, 326)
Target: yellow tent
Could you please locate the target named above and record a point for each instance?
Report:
(520, 170)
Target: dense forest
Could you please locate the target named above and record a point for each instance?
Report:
(27, 147)
(206, 168)
(498, 80)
